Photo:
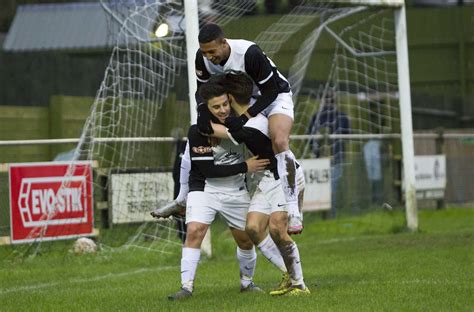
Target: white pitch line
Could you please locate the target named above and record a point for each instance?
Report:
(80, 280)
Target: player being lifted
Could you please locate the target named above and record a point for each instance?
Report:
(217, 185)
(219, 55)
(267, 207)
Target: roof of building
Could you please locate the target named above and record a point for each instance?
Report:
(71, 26)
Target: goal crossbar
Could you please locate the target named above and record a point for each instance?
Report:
(379, 3)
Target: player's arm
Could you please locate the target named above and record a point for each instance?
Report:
(202, 156)
(202, 77)
(258, 66)
(220, 131)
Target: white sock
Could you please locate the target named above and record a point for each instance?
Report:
(184, 177)
(270, 251)
(185, 166)
(189, 262)
(291, 256)
(286, 165)
(247, 262)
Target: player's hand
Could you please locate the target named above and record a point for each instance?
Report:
(255, 165)
(234, 124)
(204, 120)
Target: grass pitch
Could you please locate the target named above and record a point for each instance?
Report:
(363, 263)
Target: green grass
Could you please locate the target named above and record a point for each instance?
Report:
(365, 263)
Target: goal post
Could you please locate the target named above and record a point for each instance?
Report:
(403, 81)
(192, 45)
(142, 94)
(406, 118)
(406, 126)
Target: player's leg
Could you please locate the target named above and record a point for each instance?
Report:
(277, 226)
(288, 250)
(300, 181)
(256, 227)
(234, 211)
(247, 258)
(192, 253)
(280, 122)
(200, 213)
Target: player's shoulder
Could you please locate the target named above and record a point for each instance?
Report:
(240, 45)
(193, 131)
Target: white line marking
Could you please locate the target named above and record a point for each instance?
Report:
(5, 291)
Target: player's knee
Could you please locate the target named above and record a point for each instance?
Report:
(280, 143)
(195, 233)
(277, 233)
(277, 226)
(252, 232)
(245, 243)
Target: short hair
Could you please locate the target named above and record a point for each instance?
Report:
(210, 32)
(240, 86)
(213, 88)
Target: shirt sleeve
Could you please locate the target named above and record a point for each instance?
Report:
(239, 136)
(259, 67)
(203, 158)
(202, 74)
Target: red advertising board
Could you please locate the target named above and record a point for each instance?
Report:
(49, 201)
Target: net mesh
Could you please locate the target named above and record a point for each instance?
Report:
(355, 103)
(344, 83)
(135, 102)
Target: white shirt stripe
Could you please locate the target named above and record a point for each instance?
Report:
(203, 158)
(266, 79)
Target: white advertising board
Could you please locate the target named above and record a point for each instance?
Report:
(135, 195)
(317, 194)
(430, 176)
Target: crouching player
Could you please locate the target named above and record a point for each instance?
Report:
(217, 185)
(268, 207)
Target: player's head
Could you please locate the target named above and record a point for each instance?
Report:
(215, 95)
(330, 97)
(212, 44)
(239, 86)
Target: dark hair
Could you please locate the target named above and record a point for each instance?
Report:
(213, 88)
(210, 32)
(240, 85)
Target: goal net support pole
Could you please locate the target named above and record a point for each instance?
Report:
(406, 124)
(192, 45)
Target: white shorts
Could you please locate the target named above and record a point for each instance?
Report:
(202, 207)
(283, 104)
(268, 196)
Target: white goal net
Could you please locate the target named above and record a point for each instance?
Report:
(342, 65)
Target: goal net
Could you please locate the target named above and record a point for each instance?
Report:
(345, 90)
(340, 61)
